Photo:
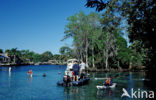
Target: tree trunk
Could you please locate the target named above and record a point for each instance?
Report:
(106, 63)
(14, 59)
(118, 65)
(93, 61)
(130, 65)
(86, 49)
(86, 57)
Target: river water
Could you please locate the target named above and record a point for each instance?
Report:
(16, 85)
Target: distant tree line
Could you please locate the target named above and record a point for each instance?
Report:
(26, 56)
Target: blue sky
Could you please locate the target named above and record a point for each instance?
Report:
(37, 25)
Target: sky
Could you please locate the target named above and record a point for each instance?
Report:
(37, 25)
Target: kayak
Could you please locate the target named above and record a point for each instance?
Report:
(104, 87)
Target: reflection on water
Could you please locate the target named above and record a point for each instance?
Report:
(15, 84)
(9, 79)
(125, 80)
(108, 92)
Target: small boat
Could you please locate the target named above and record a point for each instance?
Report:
(68, 74)
(104, 87)
(38, 63)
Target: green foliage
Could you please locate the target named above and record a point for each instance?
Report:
(140, 15)
(83, 29)
(1, 50)
(46, 56)
(94, 42)
(37, 58)
(26, 56)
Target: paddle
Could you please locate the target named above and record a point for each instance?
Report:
(100, 78)
(115, 76)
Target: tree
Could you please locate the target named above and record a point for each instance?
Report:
(46, 56)
(93, 41)
(80, 28)
(140, 15)
(56, 57)
(123, 52)
(1, 50)
(110, 49)
(37, 57)
(99, 4)
(13, 54)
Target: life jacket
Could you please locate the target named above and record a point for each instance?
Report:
(72, 73)
(108, 81)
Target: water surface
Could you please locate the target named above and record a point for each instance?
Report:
(17, 86)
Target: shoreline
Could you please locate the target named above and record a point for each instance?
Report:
(89, 69)
(6, 65)
(116, 70)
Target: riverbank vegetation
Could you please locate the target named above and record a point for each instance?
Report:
(99, 38)
(18, 57)
(99, 41)
(141, 26)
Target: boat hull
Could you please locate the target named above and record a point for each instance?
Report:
(104, 87)
(74, 83)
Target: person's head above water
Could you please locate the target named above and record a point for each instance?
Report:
(44, 75)
(30, 70)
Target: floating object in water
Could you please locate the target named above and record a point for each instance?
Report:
(100, 78)
(44, 75)
(9, 69)
(104, 87)
(142, 79)
(30, 73)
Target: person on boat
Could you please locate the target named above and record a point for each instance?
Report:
(66, 79)
(76, 69)
(108, 82)
(82, 67)
(30, 73)
(82, 75)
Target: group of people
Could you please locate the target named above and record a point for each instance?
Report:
(78, 69)
(30, 74)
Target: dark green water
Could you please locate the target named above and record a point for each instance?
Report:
(17, 86)
(125, 80)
